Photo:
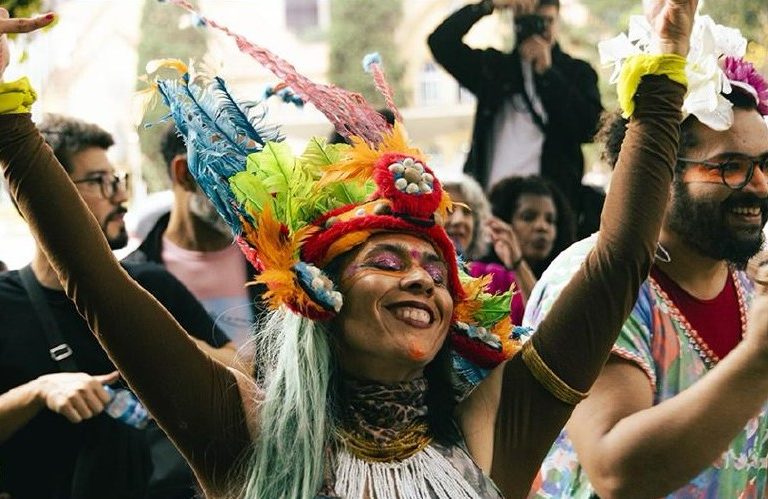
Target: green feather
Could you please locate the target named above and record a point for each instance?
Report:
(494, 308)
(351, 192)
(250, 190)
(276, 166)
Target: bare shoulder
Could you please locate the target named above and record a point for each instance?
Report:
(252, 396)
(476, 416)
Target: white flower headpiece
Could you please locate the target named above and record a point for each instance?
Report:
(711, 44)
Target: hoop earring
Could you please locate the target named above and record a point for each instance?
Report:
(662, 254)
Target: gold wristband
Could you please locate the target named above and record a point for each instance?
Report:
(548, 379)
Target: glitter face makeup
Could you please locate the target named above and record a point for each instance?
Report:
(397, 307)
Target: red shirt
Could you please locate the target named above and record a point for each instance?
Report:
(717, 321)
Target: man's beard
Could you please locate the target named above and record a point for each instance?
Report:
(704, 225)
(121, 239)
(202, 208)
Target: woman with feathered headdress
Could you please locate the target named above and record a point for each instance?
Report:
(384, 370)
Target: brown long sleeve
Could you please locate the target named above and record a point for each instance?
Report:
(576, 337)
(194, 399)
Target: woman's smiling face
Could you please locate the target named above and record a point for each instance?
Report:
(397, 308)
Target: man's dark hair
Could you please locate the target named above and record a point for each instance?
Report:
(545, 3)
(171, 145)
(68, 136)
(614, 129)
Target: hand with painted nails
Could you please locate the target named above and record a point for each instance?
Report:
(18, 25)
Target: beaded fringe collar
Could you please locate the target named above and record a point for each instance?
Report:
(425, 475)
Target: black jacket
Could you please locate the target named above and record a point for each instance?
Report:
(151, 250)
(568, 92)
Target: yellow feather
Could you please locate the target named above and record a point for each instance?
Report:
(502, 330)
(360, 159)
(275, 250)
(155, 65)
(465, 310)
(446, 206)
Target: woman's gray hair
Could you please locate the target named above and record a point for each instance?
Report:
(481, 212)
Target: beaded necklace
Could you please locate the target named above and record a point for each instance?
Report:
(709, 357)
(384, 449)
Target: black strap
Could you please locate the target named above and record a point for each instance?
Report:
(537, 119)
(60, 351)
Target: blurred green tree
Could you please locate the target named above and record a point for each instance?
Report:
(610, 17)
(357, 28)
(750, 16)
(166, 32)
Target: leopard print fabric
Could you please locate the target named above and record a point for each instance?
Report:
(381, 412)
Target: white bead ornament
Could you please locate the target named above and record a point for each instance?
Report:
(425, 475)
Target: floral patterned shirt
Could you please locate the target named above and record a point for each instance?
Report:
(662, 343)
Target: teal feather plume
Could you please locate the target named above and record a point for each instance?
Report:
(220, 133)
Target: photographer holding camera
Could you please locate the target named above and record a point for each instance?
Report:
(535, 105)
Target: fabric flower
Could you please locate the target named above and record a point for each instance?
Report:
(707, 79)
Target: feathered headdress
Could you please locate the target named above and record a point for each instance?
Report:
(293, 215)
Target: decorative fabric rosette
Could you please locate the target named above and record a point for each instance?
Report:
(714, 64)
(293, 215)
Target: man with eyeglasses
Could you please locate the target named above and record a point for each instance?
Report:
(680, 407)
(49, 415)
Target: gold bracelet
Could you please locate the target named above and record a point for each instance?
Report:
(548, 379)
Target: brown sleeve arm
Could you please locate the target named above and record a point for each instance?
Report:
(576, 337)
(194, 399)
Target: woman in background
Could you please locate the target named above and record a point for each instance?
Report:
(539, 216)
(475, 231)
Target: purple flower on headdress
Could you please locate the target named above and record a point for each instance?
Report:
(743, 74)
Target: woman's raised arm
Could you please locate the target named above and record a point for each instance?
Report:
(575, 339)
(194, 398)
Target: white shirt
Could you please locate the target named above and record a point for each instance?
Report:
(517, 139)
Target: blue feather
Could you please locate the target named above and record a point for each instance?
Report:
(220, 133)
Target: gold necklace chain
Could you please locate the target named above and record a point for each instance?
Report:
(412, 439)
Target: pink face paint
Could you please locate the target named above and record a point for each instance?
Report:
(350, 271)
(416, 255)
(387, 261)
(437, 272)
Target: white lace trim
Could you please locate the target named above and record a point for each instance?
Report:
(425, 475)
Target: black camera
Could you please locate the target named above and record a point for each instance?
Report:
(528, 25)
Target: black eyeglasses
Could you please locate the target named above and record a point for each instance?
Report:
(109, 183)
(734, 171)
